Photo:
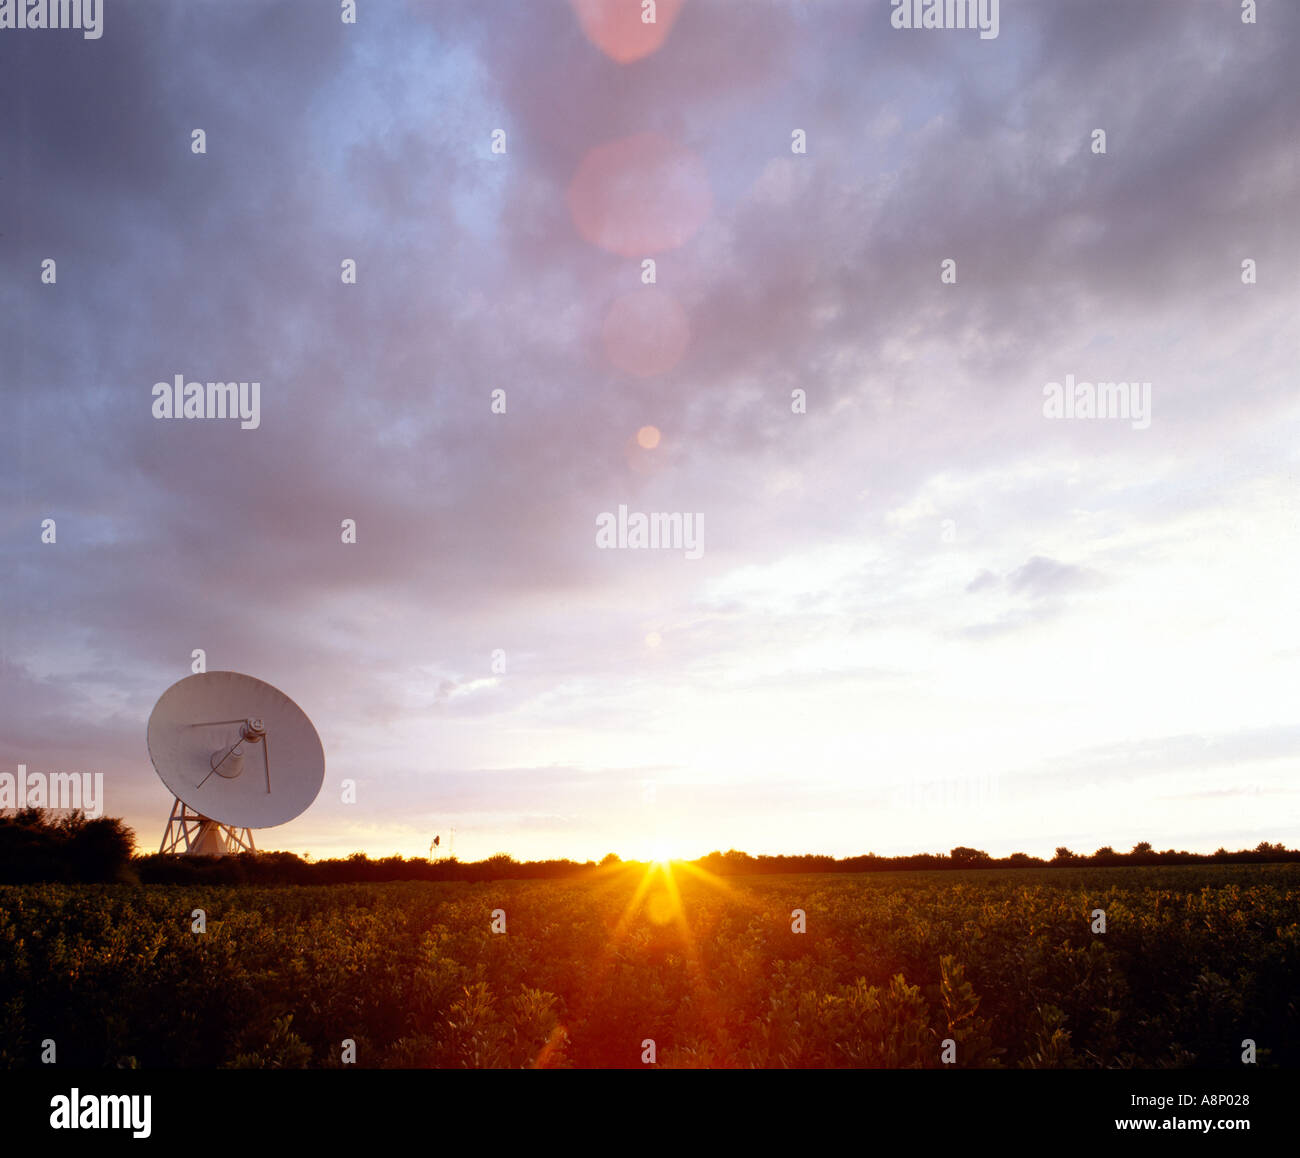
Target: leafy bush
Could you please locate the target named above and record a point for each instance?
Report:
(37, 845)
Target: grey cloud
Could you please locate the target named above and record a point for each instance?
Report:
(1042, 577)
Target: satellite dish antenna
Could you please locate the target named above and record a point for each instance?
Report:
(237, 754)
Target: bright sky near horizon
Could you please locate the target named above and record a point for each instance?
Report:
(924, 614)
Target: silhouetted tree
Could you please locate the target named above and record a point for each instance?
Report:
(38, 845)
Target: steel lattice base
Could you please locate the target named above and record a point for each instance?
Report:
(198, 835)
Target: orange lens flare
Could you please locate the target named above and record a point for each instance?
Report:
(622, 29)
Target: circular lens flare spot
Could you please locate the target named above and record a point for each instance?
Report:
(659, 907)
(639, 195)
(648, 437)
(646, 332)
(619, 27)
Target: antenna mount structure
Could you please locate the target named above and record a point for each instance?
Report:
(191, 832)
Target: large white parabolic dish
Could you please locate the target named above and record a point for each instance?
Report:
(199, 743)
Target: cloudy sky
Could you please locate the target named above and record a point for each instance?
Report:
(925, 613)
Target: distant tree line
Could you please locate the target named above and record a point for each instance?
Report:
(287, 868)
(37, 845)
(733, 863)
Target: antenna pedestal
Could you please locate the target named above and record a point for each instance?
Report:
(194, 834)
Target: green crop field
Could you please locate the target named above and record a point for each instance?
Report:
(1003, 965)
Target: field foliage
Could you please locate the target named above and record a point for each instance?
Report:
(1003, 962)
